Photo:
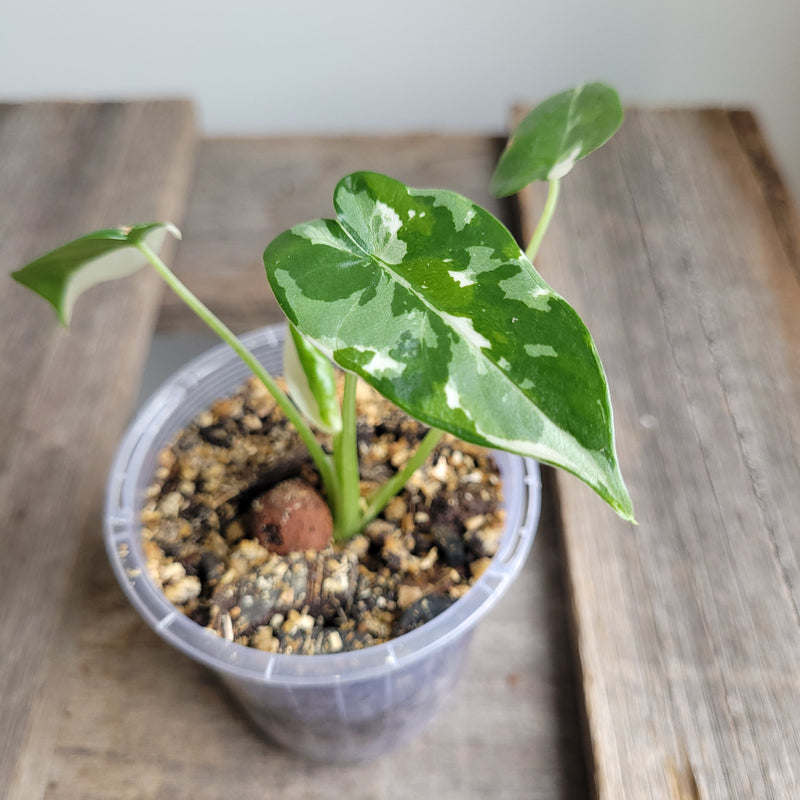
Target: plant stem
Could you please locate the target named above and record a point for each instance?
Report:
(389, 489)
(345, 456)
(544, 221)
(320, 457)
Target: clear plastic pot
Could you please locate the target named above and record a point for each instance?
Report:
(344, 706)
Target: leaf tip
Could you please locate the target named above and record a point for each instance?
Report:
(24, 278)
(174, 230)
(496, 185)
(64, 317)
(624, 507)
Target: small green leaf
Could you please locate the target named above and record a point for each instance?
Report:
(429, 298)
(63, 274)
(556, 134)
(312, 382)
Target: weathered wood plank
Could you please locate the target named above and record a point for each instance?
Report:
(776, 194)
(247, 191)
(66, 169)
(141, 721)
(687, 627)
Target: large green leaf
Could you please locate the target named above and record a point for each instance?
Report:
(556, 134)
(63, 274)
(429, 298)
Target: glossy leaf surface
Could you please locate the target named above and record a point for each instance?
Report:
(556, 134)
(428, 297)
(64, 274)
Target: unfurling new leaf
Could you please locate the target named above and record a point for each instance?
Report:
(312, 382)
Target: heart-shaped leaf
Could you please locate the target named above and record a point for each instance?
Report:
(311, 381)
(63, 274)
(428, 297)
(556, 134)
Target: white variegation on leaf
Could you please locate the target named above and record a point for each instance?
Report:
(64, 274)
(311, 382)
(429, 298)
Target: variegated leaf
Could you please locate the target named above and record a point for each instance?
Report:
(63, 274)
(311, 382)
(556, 134)
(429, 298)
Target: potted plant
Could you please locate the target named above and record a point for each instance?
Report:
(428, 298)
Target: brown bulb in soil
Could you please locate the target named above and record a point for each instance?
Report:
(292, 515)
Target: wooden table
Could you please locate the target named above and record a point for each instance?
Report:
(658, 661)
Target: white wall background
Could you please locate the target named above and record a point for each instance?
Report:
(261, 66)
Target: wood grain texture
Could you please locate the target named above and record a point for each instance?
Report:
(687, 627)
(246, 192)
(140, 721)
(66, 169)
(775, 191)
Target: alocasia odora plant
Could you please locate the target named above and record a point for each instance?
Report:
(427, 297)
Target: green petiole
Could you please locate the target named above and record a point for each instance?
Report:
(321, 459)
(389, 489)
(347, 521)
(553, 187)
